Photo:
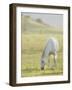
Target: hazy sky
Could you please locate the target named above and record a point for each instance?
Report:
(55, 20)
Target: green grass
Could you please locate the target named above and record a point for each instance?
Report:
(32, 45)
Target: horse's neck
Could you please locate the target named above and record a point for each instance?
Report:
(45, 54)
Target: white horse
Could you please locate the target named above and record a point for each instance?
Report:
(51, 48)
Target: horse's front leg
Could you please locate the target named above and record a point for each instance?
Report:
(49, 61)
(55, 60)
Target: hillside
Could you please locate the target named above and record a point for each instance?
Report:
(36, 26)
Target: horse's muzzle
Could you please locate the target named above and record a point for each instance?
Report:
(42, 68)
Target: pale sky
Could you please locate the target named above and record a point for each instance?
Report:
(55, 20)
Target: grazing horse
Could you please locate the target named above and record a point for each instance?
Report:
(51, 48)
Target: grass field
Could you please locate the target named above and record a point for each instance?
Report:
(32, 47)
(33, 39)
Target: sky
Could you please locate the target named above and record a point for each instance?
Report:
(55, 20)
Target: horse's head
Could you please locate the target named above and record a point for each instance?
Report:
(42, 64)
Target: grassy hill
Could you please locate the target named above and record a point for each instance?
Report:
(34, 36)
(29, 25)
